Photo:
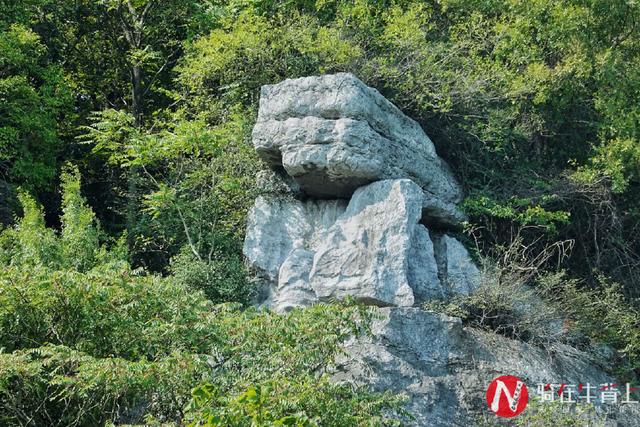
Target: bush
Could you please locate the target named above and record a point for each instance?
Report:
(55, 385)
(557, 414)
(507, 301)
(520, 299)
(110, 313)
(283, 402)
(132, 347)
(222, 277)
(604, 315)
(87, 340)
(78, 246)
(508, 307)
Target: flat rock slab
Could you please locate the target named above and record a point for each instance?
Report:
(334, 134)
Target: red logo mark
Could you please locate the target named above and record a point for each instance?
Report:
(507, 396)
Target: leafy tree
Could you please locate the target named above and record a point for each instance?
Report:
(78, 245)
(34, 96)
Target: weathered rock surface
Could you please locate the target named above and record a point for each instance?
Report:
(458, 272)
(372, 249)
(277, 225)
(372, 230)
(293, 288)
(333, 134)
(365, 254)
(444, 368)
(423, 268)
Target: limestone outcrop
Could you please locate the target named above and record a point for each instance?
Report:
(333, 134)
(359, 205)
(345, 217)
(444, 368)
(365, 253)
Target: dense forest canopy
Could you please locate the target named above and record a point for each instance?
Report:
(126, 172)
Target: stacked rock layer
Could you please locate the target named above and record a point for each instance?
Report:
(360, 205)
(368, 184)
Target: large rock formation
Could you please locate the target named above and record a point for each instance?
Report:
(278, 225)
(333, 134)
(365, 178)
(360, 205)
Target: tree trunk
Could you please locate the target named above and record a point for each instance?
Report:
(137, 102)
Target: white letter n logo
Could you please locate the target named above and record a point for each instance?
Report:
(513, 399)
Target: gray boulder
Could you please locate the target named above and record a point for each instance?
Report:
(372, 249)
(278, 225)
(457, 270)
(365, 254)
(293, 288)
(333, 134)
(423, 269)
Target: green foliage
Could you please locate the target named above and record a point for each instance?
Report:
(228, 66)
(522, 211)
(604, 315)
(283, 402)
(619, 159)
(222, 275)
(79, 242)
(199, 184)
(534, 104)
(122, 339)
(113, 133)
(33, 96)
(56, 385)
(30, 242)
(78, 246)
(102, 313)
(86, 340)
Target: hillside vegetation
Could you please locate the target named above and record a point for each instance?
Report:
(126, 172)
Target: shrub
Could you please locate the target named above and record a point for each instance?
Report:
(110, 313)
(87, 340)
(55, 385)
(78, 245)
(506, 305)
(130, 347)
(283, 402)
(604, 315)
(507, 301)
(521, 300)
(222, 277)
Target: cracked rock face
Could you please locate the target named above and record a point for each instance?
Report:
(371, 248)
(278, 225)
(346, 212)
(445, 368)
(359, 205)
(365, 253)
(459, 273)
(333, 134)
